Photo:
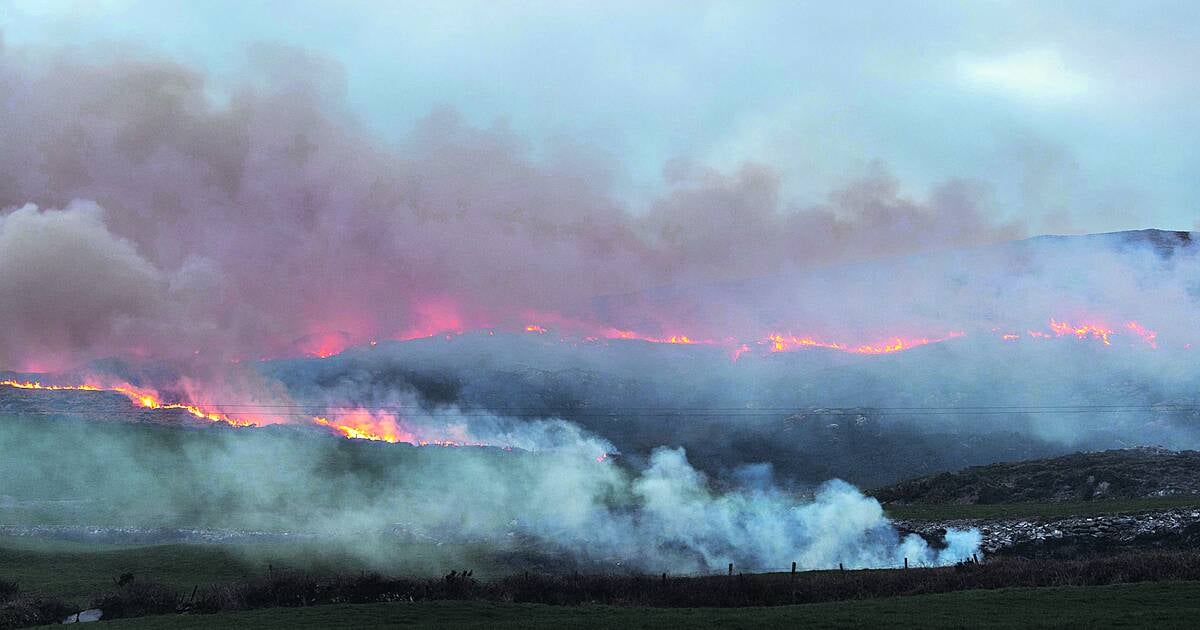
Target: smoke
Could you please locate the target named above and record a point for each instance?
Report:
(557, 502)
(290, 227)
(78, 285)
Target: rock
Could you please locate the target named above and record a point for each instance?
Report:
(1180, 528)
(85, 616)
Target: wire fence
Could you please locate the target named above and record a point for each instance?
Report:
(734, 569)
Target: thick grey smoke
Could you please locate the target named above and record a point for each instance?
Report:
(275, 219)
(70, 283)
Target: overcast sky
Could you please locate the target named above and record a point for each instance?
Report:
(1079, 116)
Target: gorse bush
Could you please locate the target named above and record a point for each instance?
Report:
(19, 609)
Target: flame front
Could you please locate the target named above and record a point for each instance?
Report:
(1082, 331)
(140, 397)
(378, 425)
(1148, 336)
(789, 342)
(360, 424)
(782, 343)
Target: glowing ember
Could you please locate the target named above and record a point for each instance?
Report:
(781, 343)
(1148, 336)
(1081, 331)
(1097, 332)
(614, 333)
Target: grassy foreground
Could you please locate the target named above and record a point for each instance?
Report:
(1158, 605)
(78, 571)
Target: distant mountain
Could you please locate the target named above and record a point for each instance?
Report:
(1015, 283)
(1165, 242)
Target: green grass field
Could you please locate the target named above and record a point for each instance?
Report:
(77, 571)
(1157, 605)
(946, 511)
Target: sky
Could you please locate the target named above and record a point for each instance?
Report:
(1076, 116)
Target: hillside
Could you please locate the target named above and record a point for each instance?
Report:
(1112, 474)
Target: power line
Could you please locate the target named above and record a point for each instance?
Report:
(619, 414)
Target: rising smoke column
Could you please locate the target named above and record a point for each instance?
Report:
(270, 223)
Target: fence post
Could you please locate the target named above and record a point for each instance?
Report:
(840, 567)
(793, 581)
(906, 562)
(731, 569)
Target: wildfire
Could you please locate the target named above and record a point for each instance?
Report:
(788, 342)
(1148, 336)
(140, 397)
(365, 424)
(1081, 331)
(37, 385)
(781, 343)
(381, 426)
(615, 333)
(1097, 332)
(357, 424)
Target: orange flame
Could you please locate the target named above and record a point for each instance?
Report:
(140, 397)
(781, 343)
(1149, 336)
(358, 424)
(616, 333)
(1081, 331)
(381, 426)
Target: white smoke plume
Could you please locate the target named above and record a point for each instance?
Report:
(556, 500)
